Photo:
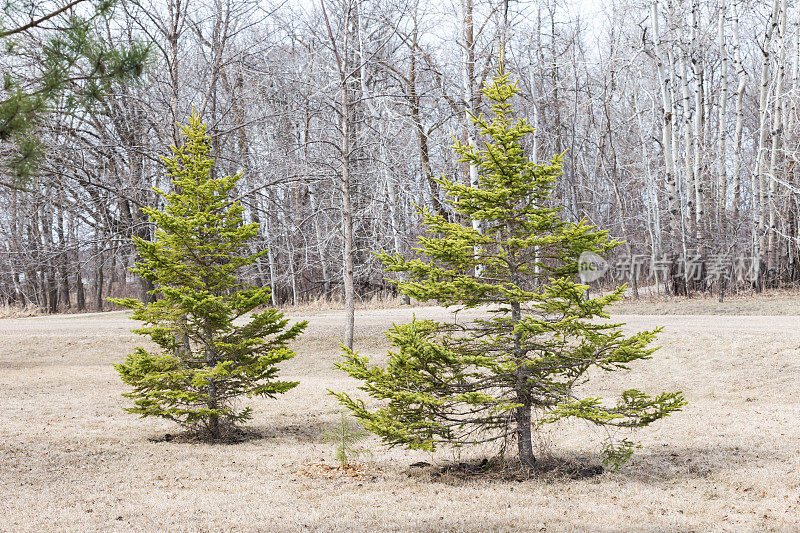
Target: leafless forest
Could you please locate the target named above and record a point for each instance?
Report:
(678, 121)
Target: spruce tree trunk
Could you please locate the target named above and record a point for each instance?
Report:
(522, 414)
(213, 420)
(213, 395)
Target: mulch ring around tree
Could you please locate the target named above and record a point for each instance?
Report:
(229, 436)
(549, 469)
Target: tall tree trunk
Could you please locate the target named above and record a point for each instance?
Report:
(422, 135)
(63, 262)
(394, 219)
(741, 84)
(666, 71)
(759, 176)
(697, 134)
(46, 231)
(343, 64)
(522, 413)
(471, 101)
(80, 293)
(98, 278)
(722, 119)
(291, 196)
(667, 125)
(320, 245)
(777, 133)
(270, 259)
(688, 167)
(174, 28)
(315, 207)
(347, 216)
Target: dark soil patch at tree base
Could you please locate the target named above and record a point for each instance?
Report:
(230, 436)
(550, 469)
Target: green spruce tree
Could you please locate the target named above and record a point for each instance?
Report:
(206, 361)
(495, 377)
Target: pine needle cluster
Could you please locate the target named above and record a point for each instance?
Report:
(65, 62)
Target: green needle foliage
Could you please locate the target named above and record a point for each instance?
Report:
(55, 59)
(493, 378)
(206, 361)
(348, 436)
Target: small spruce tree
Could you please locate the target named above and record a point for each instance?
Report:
(206, 361)
(349, 438)
(495, 377)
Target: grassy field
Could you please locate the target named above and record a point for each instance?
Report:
(775, 303)
(70, 459)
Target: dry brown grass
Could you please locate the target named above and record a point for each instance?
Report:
(70, 459)
(375, 301)
(19, 311)
(769, 303)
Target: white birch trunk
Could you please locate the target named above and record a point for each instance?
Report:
(470, 100)
(667, 124)
(777, 133)
(759, 177)
(688, 168)
(697, 134)
(722, 179)
(741, 84)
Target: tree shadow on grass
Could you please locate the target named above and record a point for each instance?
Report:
(496, 469)
(236, 435)
(307, 432)
(681, 462)
(666, 464)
